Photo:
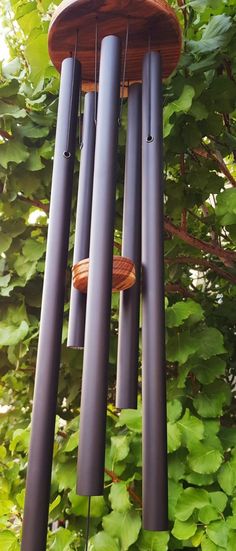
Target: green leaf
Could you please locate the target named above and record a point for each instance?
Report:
(63, 539)
(177, 314)
(20, 440)
(199, 479)
(215, 35)
(34, 162)
(203, 459)
(8, 541)
(180, 104)
(218, 533)
(72, 443)
(226, 207)
(207, 371)
(124, 526)
(227, 477)
(10, 334)
(11, 110)
(80, 505)
(102, 542)
(208, 545)
(210, 343)
(189, 500)
(54, 504)
(180, 347)
(197, 538)
(37, 54)
(219, 500)
(174, 492)
(8, 89)
(13, 151)
(33, 249)
(4, 280)
(5, 242)
(132, 418)
(174, 437)
(176, 465)
(119, 497)
(210, 402)
(184, 530)
(174, 410)
(153, 541)
(119, 448)
(65, 474)
(192, 429)
(208, 514)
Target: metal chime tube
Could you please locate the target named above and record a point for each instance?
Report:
(97, 326)
(128, 341)
(155, 497)
(83, 221)
(48, 359)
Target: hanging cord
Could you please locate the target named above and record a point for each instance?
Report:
(88, 524)
(149, 137)
(95, 71)
(124, 72)
(67, 153)
(80, 122)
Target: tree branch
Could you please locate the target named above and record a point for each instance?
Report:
(227, 257)
(132, 493)
(35, 203)
(177, 288)
(208, 264)
(4, 134)
(216, 156)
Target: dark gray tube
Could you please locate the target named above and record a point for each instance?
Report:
(128, 340)
(155, 496)
(83, 221)
(49, 346)
(97, 326)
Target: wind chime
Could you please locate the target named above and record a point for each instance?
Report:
(132, 45)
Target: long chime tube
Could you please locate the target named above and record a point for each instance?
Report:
(128, 340)
(48, 359)
(83, 221)
(155, 494)
(97, 327)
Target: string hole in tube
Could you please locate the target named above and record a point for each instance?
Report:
(67, 154)
(149, 139)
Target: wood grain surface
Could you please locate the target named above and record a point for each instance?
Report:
(123, 274)
(152, 19)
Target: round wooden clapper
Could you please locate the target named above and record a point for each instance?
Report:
(123, 274)
(152, 24)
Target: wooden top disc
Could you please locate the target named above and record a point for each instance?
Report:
(152, 19)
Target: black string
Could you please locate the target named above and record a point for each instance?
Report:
(149, 136)
(88, 524)
(80, 122)
(67, 153)
(124, 71)
(95, 71)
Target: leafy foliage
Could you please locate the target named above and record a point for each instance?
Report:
(200, 236)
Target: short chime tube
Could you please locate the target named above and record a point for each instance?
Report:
(97, 327)
(155, 495)
(83, 221)
(128, 340)
(48, 359)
